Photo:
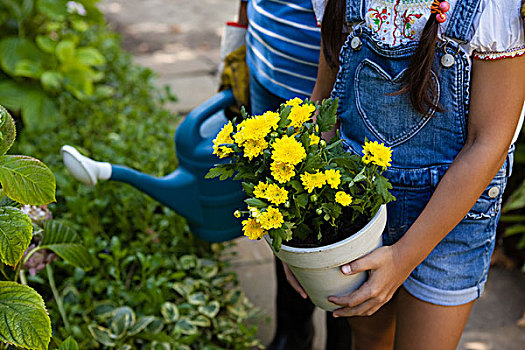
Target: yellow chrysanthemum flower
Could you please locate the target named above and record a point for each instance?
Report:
(254, 148)
(333, 177)
(377, 153)
(300, 114)
(343, 198)
(271, 218)
(224, 136)
(259, 190)
(272, 118)
(254, 128)
(294, 102)
(276, 195)
(311, 181)
(252, 229)
(282, 172)
(288, 150)
(314, 139)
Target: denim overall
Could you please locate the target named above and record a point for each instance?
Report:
(423, 147)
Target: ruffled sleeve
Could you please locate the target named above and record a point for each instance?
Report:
(499, 31)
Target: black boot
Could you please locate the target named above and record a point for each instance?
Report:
(294, 316)
(338, 333)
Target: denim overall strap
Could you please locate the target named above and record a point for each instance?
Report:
(460, 21)
(354, 11)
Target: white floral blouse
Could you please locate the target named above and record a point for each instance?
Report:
(497, 29)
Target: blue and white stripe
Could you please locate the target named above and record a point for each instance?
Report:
(283, 43)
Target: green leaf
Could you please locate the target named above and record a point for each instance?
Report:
(15, 49)
(515, 230)
(327, 116)
(184, 326)
(27, 180)
(102, 335)
(51, 80)
(301, 200)
(65, 51)
(222, 171)
(122, 320)
(248, 188)
(256, 203)
(65, 243)
(211, 309)
(7, 131)
(201, 321)
(90, 56)
(69, 344)
(54, 9)
(170, 312)
(140, 325)
(383, 186)
(46, 44)
(16, 231)
(188, 261)
(198, 298)
(516, 199)
(25, 321)
(28, 68)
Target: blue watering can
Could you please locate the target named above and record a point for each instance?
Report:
(207, 204)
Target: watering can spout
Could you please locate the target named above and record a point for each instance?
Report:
(178, 190)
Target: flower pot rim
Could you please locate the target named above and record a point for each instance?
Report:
(333, 245)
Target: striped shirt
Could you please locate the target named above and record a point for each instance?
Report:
(283, 43)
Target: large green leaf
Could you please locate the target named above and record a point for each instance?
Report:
(7, 131)
(15, 49)
(16, 232)
(27, 180)
(66, 244)
(25, 321)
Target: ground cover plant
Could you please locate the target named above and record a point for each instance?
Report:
(156, 285)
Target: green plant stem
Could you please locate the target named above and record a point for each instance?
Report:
(58, 299)
(23, 279)
(3, 273)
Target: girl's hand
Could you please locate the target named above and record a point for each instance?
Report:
(293, 281)
(387, 272)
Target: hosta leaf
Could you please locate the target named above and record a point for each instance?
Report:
(7, 131)
(16, 231)
(201, 321)
(184, 326)
(27, 180)
(188, 262)
(155, 326)
(170, 312)
(122, 320)
(69, 344)
(67, 244)
(198, 298)
(140, 325)
(102, 335)
(24, 317)
(211, 310)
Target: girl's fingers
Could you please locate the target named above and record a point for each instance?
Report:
(360, 296)
(293, 281)
(368, 262)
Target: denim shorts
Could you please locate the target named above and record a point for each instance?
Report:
(456, 270)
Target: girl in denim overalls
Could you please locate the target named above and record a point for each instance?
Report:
(450, 124)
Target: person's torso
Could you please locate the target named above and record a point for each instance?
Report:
(283, 43)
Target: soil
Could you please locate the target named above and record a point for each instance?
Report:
(345, 229)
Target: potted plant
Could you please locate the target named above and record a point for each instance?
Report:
(316, 204)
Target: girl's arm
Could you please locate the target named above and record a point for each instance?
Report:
(497, 95)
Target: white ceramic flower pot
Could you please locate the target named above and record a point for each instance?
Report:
(317, 269)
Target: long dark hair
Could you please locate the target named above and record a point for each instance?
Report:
(417, 80)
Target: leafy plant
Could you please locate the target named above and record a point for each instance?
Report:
(44, 49)
(298, 185)
(28, 181)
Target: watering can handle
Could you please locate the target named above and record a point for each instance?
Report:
(199, 114)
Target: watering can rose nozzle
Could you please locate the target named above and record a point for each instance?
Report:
(84, 169)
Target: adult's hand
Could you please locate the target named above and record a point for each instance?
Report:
(293, 281)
